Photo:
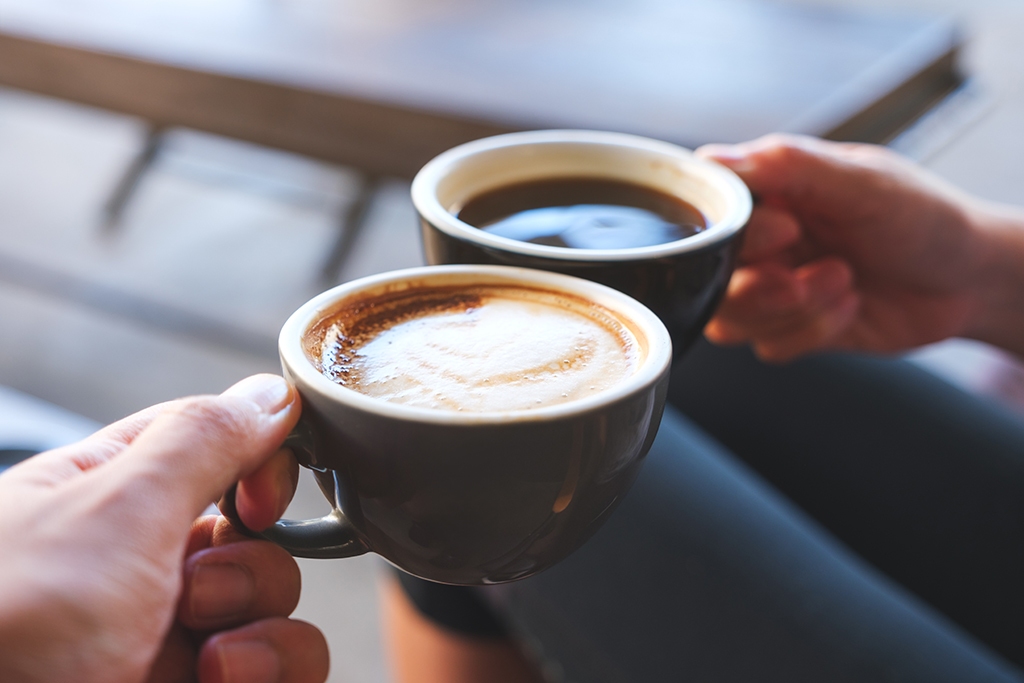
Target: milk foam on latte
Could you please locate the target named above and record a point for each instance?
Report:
(478, 349)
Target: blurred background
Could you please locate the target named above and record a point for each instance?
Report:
(177, 177)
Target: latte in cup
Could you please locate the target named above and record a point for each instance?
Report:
(481, 348)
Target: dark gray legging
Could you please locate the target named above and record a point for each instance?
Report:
(835, 519)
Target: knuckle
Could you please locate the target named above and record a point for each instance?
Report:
(786, 150)
(217, 417)
(875, 153)
(779, 140)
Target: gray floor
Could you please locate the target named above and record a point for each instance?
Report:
(226, 232)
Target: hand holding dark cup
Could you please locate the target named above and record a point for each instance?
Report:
(853, 247)
(108, 574)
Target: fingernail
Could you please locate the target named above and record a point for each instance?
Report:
(248, 661)
(220, 591)
(269, 392)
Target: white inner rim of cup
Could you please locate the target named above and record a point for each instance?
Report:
(447, 182)
(644, 324)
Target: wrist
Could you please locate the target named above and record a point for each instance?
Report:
(998, 284)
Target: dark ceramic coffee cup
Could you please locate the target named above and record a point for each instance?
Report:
(467, 497)
(681, 281)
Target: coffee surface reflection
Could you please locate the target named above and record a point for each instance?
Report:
(583, 213)
(474, 348)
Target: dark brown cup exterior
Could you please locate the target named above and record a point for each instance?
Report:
(683, 290)
(479, 504)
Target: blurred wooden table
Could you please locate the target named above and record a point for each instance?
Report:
(385, 85)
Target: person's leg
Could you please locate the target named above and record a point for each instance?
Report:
(422, 648)
(705, 573)
(921, 479)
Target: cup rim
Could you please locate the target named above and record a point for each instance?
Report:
(424, 195)
(656, 363)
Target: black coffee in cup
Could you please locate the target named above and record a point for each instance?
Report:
(583, 213)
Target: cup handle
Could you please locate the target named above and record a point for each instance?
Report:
(328, 537)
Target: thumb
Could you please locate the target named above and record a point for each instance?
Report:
(197, 447)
